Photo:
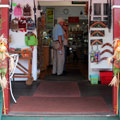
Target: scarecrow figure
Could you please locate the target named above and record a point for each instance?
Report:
(3, 66)
(3, 61)
(116, 63)
(116, 69)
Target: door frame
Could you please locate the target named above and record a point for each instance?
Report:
(116, 34)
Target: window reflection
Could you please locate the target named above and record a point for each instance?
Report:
(97, 9)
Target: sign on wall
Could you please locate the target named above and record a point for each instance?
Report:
(49, 18)
(73, 20)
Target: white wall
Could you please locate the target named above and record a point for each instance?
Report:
(59, 3)
(18, 40)
(95, 68)
(73, 12)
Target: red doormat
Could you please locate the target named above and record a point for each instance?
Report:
(57, 89)
(60, 105)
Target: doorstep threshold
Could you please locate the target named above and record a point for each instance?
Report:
(61, 114)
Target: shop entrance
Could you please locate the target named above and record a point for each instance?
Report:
(69, 94)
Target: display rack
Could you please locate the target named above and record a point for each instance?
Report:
(26, 72)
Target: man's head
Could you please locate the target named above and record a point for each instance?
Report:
(65, 26)
(60, 21)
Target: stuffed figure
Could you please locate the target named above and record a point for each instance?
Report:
(116, 63)
(3, 61)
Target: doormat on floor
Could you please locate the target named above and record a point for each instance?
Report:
(57, 89)
(61, 105)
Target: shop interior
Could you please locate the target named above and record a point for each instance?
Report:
(71, 93)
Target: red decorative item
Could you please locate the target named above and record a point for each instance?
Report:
(106, 77)
(73, 20)
(22, 22)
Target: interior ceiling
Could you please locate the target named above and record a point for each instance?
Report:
(60, 3)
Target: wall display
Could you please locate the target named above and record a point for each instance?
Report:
(27, 10)
(49, 18)
(96, 42)
(98, 24)
(97, 33)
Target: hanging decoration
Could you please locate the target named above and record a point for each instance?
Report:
(92, 55)
(107, 44)
(97, 33)
(22, 24)
(95, 54)
(106, 50)
(14, 25)
(27, 10)
(30, 24)
(96, 42)
(98, 24)
(18, 10)
(31, 39)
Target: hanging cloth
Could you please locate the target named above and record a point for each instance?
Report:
(31, 39)
(18, 10)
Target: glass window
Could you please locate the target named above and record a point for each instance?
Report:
(105, 7)
(97, 9)
(97, 18)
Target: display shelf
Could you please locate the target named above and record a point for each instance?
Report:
(26, 72)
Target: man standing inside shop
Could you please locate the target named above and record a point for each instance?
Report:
(58, 48)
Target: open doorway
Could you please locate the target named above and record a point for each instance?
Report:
(72, 93)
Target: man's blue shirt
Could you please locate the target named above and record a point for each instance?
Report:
(57, 31)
